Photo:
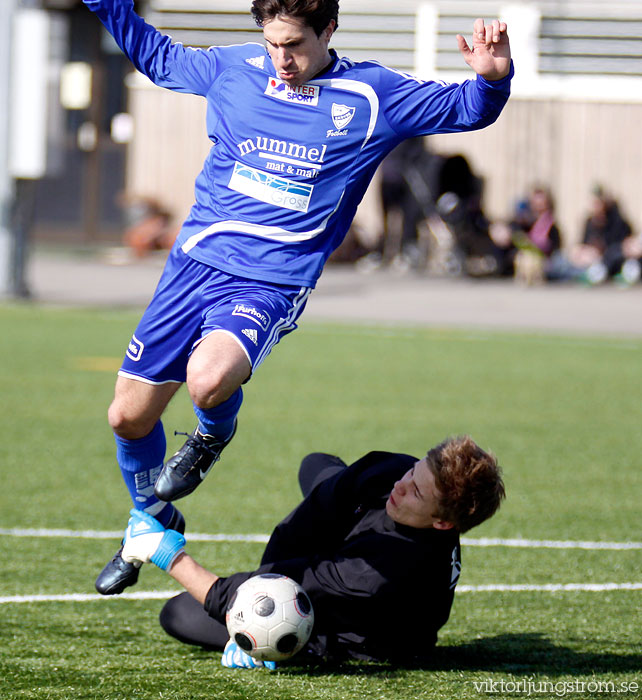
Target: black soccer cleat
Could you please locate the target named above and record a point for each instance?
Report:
(185, 471)
(119, 574)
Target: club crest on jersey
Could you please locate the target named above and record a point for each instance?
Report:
(135, 349)
(300, 94)
(342, 115)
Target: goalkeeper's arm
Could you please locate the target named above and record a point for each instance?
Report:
(196, 580)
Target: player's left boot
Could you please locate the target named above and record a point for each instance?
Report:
(119, 574)
(185, 471)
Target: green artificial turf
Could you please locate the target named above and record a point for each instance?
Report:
(561, 413)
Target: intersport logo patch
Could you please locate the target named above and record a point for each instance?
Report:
(300, 95)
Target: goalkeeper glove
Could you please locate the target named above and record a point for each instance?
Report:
(146, 540)
(235, 657)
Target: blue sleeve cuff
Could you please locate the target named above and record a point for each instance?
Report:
(502, 82)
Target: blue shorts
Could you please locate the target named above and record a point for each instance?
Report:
(192, 300)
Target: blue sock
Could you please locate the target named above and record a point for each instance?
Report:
(219, 421)
(140, 464)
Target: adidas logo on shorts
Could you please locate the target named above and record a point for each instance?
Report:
(251, 334)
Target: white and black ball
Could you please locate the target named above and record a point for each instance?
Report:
(270, 617)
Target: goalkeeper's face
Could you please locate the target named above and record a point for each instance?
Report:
(414, 500)
(297, 53)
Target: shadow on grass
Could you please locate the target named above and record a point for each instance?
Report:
(531, 652)
(528, 653)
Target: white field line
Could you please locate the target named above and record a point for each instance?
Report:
(549, 587)
(547, 544)
(484, 588)
(87, 597)
(117, 534)
(202, 537)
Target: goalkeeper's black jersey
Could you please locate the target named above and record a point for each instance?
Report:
(379, 589)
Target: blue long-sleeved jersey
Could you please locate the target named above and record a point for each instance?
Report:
(289, 166)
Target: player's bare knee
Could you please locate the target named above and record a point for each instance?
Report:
(207, 391)
(125, 424)
(205, 396)
(119, 422)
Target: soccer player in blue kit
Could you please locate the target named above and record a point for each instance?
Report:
(297, 135)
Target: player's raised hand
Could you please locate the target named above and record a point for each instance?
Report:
(490, 52)
(235, 657)
(146, 540)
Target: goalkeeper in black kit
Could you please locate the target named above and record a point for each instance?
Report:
(375, 545)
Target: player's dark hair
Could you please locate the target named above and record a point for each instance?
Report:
(469, 481)
(315, 13)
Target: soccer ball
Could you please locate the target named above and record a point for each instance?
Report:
(270, 617)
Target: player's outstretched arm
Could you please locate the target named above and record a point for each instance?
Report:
(165, 63)
(196, 580)
(489, 55)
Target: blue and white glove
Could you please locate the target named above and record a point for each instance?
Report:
(235, 657)
(147, 540)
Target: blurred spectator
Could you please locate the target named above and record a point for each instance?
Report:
(149, 225)
(601, 254)
(631, 270)
(459, 204)
(542, 233)
(532, 239)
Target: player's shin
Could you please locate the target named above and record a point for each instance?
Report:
(140, 463)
